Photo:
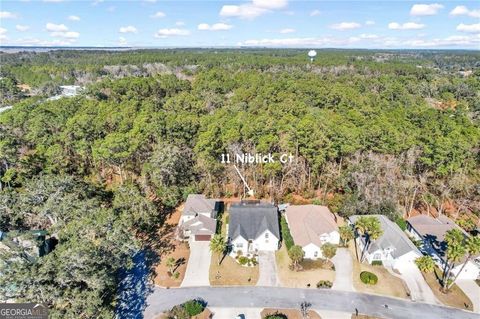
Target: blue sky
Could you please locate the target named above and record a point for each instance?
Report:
(271, 23)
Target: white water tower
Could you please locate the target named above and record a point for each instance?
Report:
(312, 54)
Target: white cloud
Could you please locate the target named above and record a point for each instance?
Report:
(270, 4)
(74, 18)
(368, 36)
(301, 42)
(315, 13)
(164, 33)
(425, 9)
(122, 41)
(345, 26)
(96, 2)
(179, 23)
(61, 31)
(7, 15)
(67, 34)
(405, 26)
(369, 22)
(252, 9)
(158, 14)
(287, 30)
(37, 42)
(463, 10)
(128, 29)
(3, 36)
(244, 11)
(471, 28)
(214, 27)
(52, 27)
(22, 28)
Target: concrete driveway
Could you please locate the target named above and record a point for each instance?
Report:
(343, 270)
(472, 290)
(198, 265)
(232, 313)
(419, 289)
(268, 269)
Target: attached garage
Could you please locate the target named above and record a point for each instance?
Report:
(203, 237)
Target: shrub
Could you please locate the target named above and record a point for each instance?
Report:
(368, 278)
(324, 284)
(286, 236)
(276, 315)
(316, 201)
(377, 263)
(401, 223)
(243, 260)
(193, 307)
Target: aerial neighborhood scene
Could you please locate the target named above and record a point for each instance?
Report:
(249, 159)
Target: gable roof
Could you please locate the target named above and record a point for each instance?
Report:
(251, 219)
(393, 237)
(198, 203)
(434, 230)
(201, 225)
(308, 222)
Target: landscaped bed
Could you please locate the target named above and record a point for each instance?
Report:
(175, 249)
(454, 298)
(387, 284)
(313, 271)
(231, 273)
(289, 313)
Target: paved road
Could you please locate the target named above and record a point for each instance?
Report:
(198, 265)
(344, 270)
(267, 269)
(258, 297)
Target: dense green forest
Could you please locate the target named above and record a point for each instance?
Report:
(382, 132)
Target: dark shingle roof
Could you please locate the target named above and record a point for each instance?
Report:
(250, 220)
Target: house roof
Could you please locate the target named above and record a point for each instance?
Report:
(308, 222)
(434, 229)
(201, 225)
(393, 237)
(198, 203)
(251, 219)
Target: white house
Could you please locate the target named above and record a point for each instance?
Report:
(394, 249)
(311, 226)
(198, 221)
(431, 231)
(253, 227)
(198, 204)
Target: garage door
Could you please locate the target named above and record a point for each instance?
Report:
(202, 237)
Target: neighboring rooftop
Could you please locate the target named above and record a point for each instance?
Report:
(250, 219)
(198, 203)
(393, 237)
(308, 222)
(201, 225)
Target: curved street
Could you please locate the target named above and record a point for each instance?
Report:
(259, 297)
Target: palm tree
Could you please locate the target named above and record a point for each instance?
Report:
(425, 263)
(361, 226)
(372, 229)
(472, 246)
(455, 251)
(170, 263)
(329, 251)
(296, 255)
(218, 246)
(346, 234)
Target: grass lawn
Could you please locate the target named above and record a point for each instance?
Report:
(388, 284)
(230, 273)
(312, 272)
(454, 298)
(290, 313)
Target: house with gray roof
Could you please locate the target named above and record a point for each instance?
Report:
(253, 226)
(394, 249)
(198, 204)
(200, 228)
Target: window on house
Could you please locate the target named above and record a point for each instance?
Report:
(239, 245)
(377, 256)
(315, 254)
(266, 235)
